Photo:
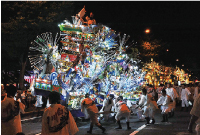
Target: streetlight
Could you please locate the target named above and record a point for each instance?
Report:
(147, 31)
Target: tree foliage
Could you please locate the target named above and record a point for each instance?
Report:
(150, 48)
(22, 21)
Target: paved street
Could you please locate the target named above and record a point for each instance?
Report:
(176, 126)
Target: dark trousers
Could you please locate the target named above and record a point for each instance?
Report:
(193, 119)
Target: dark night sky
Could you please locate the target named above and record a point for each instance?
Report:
(175, 23)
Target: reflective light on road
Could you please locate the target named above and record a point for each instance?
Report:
(136, 131)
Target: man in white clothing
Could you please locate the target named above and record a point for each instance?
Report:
(10, 113)
(164, 101)
(174, 95)
(122, 111)
(107, 106)
(159, 90)
(57, 119)
(149, 105)
(184, 97)
(92, 111)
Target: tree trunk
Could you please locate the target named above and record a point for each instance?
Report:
(21, 77)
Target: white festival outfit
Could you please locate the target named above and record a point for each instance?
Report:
(107, 107)
(114, 109)
(139, 109)
(38, 102)
(122, 111)
(92, 110)
(185, 97)
(166, 106)
(132, 106)
(85, 110)
(58, 120)
(173, 94)
(149, 106)
(10, 116)
(178, 90)
(159, 89)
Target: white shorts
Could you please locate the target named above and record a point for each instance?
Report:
(149, 112)
(119, 115)
(166, 109)
(185, 103)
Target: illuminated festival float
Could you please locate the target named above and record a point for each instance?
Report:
(85, 58)
(157, 74)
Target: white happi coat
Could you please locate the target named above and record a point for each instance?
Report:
(121, 107)
(122, 111)
(114, 109)
(172, 93)
(143, 100)
(132, 106)
(166, 105)
(178, 90)
(150, 107)
(185, 94)
(148, 102)
(107, 107)
(58, 120)
(84, 111)
(38, 102)
(10, 116)
(159, 91)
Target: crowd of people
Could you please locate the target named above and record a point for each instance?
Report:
(57, 119)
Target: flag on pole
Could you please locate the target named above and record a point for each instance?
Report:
(82, 12)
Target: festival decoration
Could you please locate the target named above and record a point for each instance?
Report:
(89, 58)
(157, 74)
